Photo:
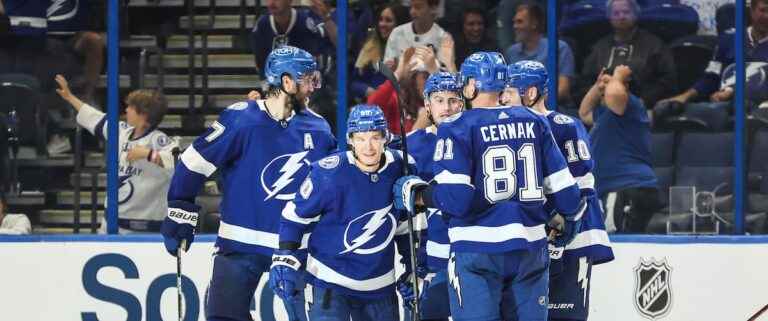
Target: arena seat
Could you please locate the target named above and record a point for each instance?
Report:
(692, 54)
(705, 149)
(669, 20)
(663, 149)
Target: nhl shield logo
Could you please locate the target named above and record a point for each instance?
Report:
(653, 293)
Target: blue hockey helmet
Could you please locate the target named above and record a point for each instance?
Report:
(487, 68)
(293, 61)
(525, 74)
(441, 81)
(365, 118)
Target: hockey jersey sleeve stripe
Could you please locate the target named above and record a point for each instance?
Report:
(714, 67)
(435, 249)
(289, 213)
(28, 21)
(586, 182)
(558, 181)
(254, 237)
(589, 238)
(327, 274)
(196, 163)
(446, 177)
(496, 234)
(92, 119)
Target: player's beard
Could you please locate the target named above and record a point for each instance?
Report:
(295, 103)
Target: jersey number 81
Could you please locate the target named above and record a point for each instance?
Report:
(500, 180)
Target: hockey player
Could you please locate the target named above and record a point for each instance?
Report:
(571, 264)
(263, 149)
(146, 156)
(442, 99)
(347, 202)
(497, 166)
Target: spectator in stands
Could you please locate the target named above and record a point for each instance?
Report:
(473, 37)
(707, 10)
(717, 95)
(13, 224)
(146, 156)
(506, 20)
(284, 25)
(23, 43)
(621, 142)
(413, 68)
(654, 73)
(364, 77)
(356, 31)
(530, 29)
(76, 36)
(86, 20)
(421, 31)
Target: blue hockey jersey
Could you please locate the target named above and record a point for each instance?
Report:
(756, 50)
(261, 164)
(28, 17)
(70, 15)
(353, 224)
(494, 171)
(305, 31)
(421, 145)
(573, 141)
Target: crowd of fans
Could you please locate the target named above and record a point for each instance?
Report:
(416, 38)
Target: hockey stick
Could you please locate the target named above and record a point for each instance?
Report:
(758, 314)
(178, 277)
(404, 147)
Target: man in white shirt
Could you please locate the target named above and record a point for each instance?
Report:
(421, 31)
(13, 224)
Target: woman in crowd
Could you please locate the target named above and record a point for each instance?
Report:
(365, 78)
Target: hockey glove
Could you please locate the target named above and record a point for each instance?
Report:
(405, 192)
(179, 225)
(426, 275)
(571, 226)
(405, 288)
(284, 273)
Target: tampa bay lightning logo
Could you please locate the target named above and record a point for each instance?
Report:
(278, 178)
(62, 9)
(370, 233)
(756, 79)
(562, 119)
(125, 191)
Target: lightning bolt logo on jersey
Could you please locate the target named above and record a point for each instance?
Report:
(285, 168)
(261, 163)
(68, 15)
(354, 225)
(374, 236)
